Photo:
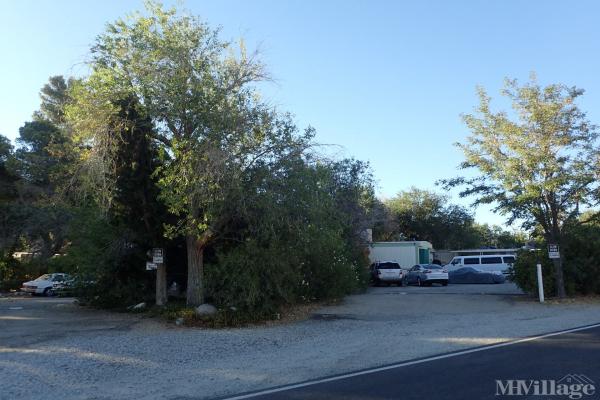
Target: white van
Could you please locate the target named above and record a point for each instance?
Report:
(497, 263)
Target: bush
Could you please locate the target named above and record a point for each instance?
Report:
(524, 272)
(581, 264)
(13, 272)
(259, 281)
(250, 278)
(108, 263)
(582, 259)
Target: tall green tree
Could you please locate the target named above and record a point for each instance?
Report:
(10, 212)
(54, 97)
(425, 215)
(198, 91)
(7, 178)
(37, 163)
(538, 165)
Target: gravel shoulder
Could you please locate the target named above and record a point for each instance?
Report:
(52, 349)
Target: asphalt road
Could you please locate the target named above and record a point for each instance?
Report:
(470, 374)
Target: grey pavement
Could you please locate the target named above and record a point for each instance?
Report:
(50, 348)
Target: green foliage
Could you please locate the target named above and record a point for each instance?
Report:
(485, 235)
(524, 272)
(582, 255)
(207, 116)
(581, 252)
(543, 161)
(425, 215)
(55, 95)
(108, 262)
(13, 272)
(32, 217)
(249, 277)
(297, 239)
(168, 137)
(418, 214)
(538, 168)
(109, 243)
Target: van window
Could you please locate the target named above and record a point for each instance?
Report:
(471, 261)
(491, 260)
(509, 260)
(456, 261)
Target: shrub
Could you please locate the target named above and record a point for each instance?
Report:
(581, 266)
(108, 263)
(524, 272)
(582, 259)
(259, 281)
(250, 278)
(13, 272)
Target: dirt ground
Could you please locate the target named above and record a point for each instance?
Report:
(51, 348)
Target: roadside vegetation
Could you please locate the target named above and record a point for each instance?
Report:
(539, 166)
(168, 143)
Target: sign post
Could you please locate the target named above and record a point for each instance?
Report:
(540, 282)
(158, 255)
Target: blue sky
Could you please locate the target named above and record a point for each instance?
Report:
(384, 80)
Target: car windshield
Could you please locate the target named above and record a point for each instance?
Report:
(388, 265)
(45, 277)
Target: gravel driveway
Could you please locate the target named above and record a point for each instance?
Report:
(50, 348)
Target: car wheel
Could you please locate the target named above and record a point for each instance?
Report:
(48, 292)
(445, 283)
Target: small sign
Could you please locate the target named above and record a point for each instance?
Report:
(157, 256)
(150, 266)
(553, 251)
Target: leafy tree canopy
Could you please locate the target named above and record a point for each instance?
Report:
(537, 165)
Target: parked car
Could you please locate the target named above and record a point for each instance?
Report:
(471, 275)
(387, 272)
(497, 263)
(426, 274)
(47, 284)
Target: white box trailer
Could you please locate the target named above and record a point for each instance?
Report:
(406, 253)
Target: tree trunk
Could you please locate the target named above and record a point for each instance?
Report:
(558, 266)
(195, 280)
(161, 284)
(558, 276)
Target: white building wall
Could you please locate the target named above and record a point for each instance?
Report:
(404, 253)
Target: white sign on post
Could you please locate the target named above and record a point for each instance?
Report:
(553, 251)
(150, 266)
(157, 256)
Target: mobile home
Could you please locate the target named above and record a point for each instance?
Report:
(406, 253)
